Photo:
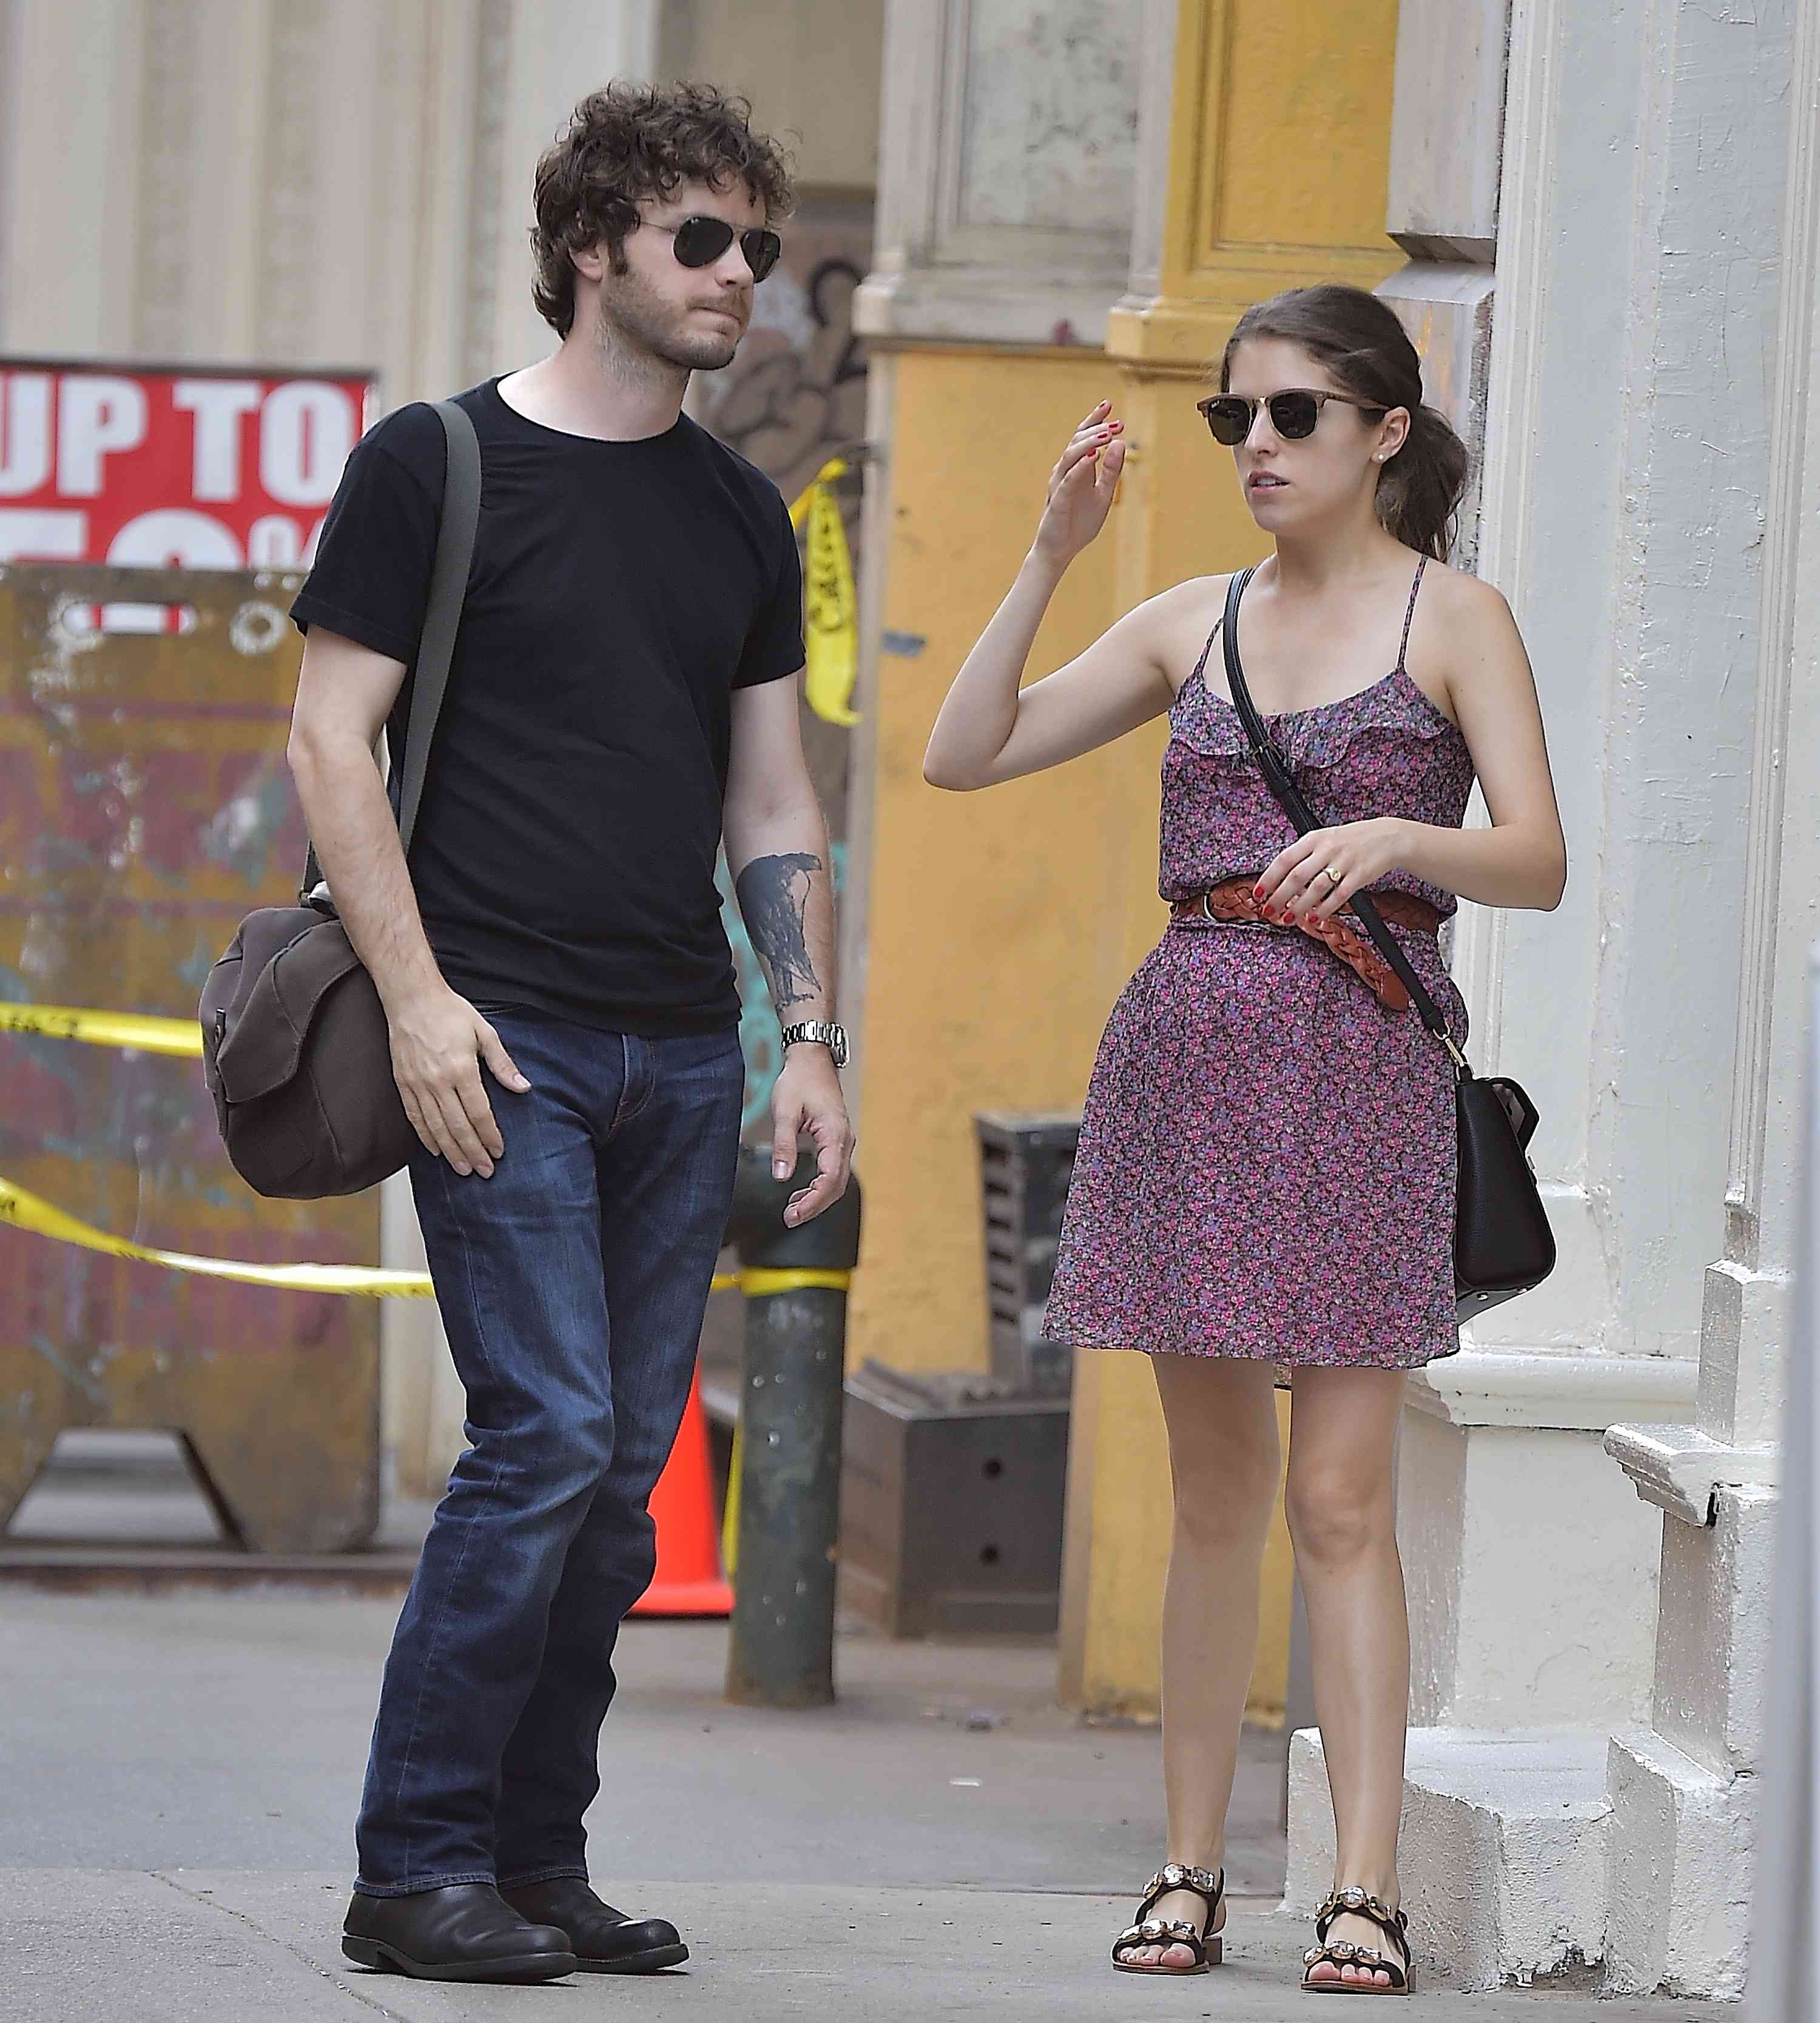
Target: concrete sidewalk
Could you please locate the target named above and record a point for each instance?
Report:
(180, 1773)
(211, 1948)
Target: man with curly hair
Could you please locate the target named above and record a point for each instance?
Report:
(623, 697)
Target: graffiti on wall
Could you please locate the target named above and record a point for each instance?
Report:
(795, 395)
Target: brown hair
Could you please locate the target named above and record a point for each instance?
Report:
(628, 142)
(1360, 341)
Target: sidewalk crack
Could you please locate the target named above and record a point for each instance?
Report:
(297, 1952)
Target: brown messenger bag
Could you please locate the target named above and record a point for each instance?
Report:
(296, 1050)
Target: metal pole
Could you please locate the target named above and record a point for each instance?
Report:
(781, 1650)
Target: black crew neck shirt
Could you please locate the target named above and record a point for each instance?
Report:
(564, 853)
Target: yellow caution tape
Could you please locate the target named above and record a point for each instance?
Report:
(730, 1510)
(757, 1282)
(130, 1030)
(830, 604)
(141, 1034)
(23, 1209)
(26, 1211)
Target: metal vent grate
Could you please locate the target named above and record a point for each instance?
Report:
(1025, 1161)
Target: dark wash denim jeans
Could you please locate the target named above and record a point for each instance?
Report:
(572, 1285)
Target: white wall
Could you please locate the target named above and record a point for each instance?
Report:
(292, 182)
(1623, 516)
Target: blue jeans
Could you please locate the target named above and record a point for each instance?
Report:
(572, 1284)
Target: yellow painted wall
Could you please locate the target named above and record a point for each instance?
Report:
(1002, 925)
(990, 964)
(1279, 158)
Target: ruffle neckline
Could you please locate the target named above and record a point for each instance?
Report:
(1320, 735)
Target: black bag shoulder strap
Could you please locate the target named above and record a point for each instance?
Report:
(1281, 782)
(442, 618)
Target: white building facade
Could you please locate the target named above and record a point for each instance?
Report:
(1624, 197)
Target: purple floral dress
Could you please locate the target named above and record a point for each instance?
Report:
(1266, 1158)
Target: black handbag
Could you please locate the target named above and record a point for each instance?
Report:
(1502, 1243)
(296, 1050)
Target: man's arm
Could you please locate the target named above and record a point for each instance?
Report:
(776, 843)
(344, 694)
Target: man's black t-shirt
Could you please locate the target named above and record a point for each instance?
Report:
(564, 852)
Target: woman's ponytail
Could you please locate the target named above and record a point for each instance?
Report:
(1420, 491)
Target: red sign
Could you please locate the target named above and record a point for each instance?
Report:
(175, 466)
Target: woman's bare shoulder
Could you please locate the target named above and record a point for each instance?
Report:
(1464, 645)
(1471, 607)
(1178, 622)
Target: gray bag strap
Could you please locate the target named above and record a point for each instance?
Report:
(442, 618)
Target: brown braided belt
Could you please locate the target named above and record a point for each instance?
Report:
(1234, 900)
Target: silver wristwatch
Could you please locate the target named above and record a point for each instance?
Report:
(834, 1036)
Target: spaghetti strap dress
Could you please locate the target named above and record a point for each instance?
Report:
(1266, 1167)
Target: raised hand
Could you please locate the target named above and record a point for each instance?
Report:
(1081, 486)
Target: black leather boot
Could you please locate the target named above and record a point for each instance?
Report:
(467, 1931)
(603, 1940)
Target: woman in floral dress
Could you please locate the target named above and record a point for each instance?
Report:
(1266, 1176)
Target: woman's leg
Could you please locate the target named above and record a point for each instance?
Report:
(1343, 1520)
(1224, 1459)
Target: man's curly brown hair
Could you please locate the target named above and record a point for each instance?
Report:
(626, 143)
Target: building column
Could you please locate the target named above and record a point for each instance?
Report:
(978, 950)
(1632, 554)
(1236, 197)
(1020, 201)
(1683, 1789)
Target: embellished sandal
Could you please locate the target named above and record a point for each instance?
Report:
(1206, 1944)
(1392, 1924)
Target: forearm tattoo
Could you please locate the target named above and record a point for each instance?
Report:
(773, 896)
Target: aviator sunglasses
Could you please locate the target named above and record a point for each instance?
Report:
(701, 241)
(1293, 413)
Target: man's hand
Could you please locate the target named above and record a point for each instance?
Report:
(438, 1041)
(808, 1098)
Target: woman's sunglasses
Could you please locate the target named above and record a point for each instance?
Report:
(701, 241)
(1294, 413)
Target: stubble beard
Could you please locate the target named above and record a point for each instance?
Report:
(635, 327)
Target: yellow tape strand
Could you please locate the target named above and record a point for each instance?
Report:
(23, 1209)
(757, 1282)
(830, 601)
(730, 1513)
(139, 1033)
(130, 1030)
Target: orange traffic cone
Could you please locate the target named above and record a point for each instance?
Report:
(688, 1581)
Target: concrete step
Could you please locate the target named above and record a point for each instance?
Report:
(121, 1513)
(1503, 1848)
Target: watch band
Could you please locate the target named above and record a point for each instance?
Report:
(823, 1033)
